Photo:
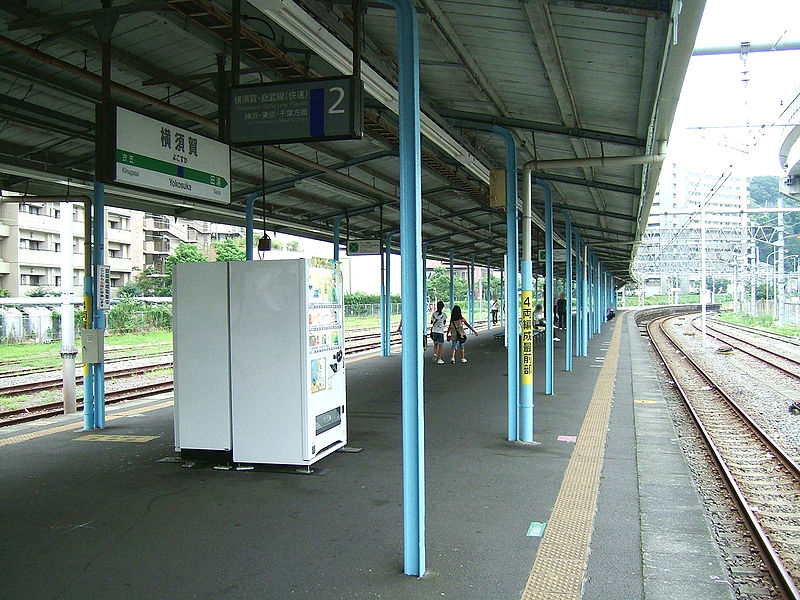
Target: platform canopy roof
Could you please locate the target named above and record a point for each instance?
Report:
(570, 79)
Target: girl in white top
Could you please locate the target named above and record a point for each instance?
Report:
(438, 321)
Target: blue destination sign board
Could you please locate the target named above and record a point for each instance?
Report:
(296, 111)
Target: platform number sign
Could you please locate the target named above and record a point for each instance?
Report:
(309, 110)
(527, 337)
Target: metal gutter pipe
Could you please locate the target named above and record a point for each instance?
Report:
(68, 349)
(600, 161)
(510, 315)
(88, 308)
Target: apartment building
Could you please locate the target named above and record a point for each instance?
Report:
(670, 251)
(31, 245)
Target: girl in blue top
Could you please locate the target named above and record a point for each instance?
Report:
(457, 334)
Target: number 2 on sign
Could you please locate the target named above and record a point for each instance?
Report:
(334, 109)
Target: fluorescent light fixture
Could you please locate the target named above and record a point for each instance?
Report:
(305, 28)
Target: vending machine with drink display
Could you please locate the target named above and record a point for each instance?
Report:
(286, 392)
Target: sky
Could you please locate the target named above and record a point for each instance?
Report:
(716, 104)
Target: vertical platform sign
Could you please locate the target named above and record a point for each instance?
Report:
(306, 110)
(527, 338)
(103, 290)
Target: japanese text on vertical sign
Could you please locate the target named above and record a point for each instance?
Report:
(526, 358)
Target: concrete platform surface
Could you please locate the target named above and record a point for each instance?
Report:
(112, 514)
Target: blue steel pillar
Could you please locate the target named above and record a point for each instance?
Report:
(99, 316)
(88, 317)
(336, 224)
(597, 293)
(503, 311)
(411, 246)
(384, 341)
(488, 292)
(471, 290)
(568, 288)
(249, 226)
(578, 295)
(585, 302)
(548, 300)
(424, 281)
(387, 298)
(452, 269)
(589, 294)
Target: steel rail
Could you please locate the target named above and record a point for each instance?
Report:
(778, 571)
(792, 371)
(756, 331)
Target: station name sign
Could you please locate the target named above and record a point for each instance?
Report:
(158, 156)
(309, 110)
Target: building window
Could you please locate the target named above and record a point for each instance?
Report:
(30, 244)
(30, 208)
(29, 279)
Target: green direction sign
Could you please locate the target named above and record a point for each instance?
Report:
(559, 255)
(357, 247)
(162, 166)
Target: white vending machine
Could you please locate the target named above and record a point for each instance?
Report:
(286, 393)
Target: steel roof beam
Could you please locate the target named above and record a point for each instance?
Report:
(288, 182)
(611, 187)
(591, 211)
(469, 120)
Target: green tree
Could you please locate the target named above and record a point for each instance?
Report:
(145, 283)
(496, 287)
(764, 190)
(764, 193)
(230, 249)
(293, 246)
(717, 284)
(184, 253)
(439, 286)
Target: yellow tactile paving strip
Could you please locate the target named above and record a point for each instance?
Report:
(79, 426)
(560, 563)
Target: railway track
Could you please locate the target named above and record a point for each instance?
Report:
(750, 346)
(759, 332)
(40, 411)
(53, 383)
(356, 343)
(762, 479)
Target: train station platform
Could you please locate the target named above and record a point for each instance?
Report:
(601, 506)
